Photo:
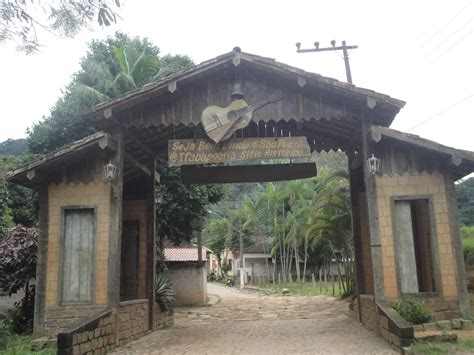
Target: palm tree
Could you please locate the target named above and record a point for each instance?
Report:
(331, 222)
(136, 68)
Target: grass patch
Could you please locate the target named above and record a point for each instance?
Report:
(13, 344)
(442, 348)
(20, 345)
(302, 288)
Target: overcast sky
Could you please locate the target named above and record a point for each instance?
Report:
(421, 52)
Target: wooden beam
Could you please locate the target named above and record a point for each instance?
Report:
(151, 245)
(115, 222)
(354, 183)
(82, 145)
(455, 233)
(372, 211)
(137, 164)
(247, 173)
(40, 296)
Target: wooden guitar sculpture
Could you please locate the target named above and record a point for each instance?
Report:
(221, 122)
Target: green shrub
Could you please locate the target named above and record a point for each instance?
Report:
(414, 311)
(467, 232)
(468, 254)
(164, 294)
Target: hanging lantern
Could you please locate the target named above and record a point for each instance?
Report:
(373, 164)
(110, 171)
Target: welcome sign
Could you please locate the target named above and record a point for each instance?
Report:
(203, 151)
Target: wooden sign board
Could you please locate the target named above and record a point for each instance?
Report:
(247, 173)
(203, 151)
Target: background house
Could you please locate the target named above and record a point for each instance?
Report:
(187, 274)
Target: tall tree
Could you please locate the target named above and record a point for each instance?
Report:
(21, 19)
(111, 68)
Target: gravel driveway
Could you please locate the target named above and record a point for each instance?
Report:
(249, 322)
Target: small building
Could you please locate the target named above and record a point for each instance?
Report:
(187, 274)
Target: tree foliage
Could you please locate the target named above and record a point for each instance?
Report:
(22, 203)
(305, 223)
(111, 68)
(18, 258)
(18, 250)
(13, 147)
(465, 194)
(21, 19)
(4, 211)
(182, 206)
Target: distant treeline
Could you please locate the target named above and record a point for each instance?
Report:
(13, 147)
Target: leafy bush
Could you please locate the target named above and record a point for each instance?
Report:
(467, 235)
(414, 311)
(164, 294)
(22, 315)
(467, 232)
(212, 276)
(469, 254)
(18, 256)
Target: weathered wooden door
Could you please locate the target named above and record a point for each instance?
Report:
(129, 261)
(78, 256)
(405, 247)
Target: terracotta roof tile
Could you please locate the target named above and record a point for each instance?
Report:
(184, 254)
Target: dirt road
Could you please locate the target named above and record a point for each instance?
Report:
(247, 322)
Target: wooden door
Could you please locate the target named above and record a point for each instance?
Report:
(405, 247)
(78, 256)
(129, 261)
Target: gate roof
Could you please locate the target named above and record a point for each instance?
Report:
(324, 110)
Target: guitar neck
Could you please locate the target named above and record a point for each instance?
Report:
(256, 105)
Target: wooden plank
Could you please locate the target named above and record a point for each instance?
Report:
(59, 155)
(40, 293)
(247, 173)
(115, 221)
(204, 151)
(356, 230)
(453, 215)
(456, 155)
(405, 247)
(151, 243)
(374, 226)
(137, 164)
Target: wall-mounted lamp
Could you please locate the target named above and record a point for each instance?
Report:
(110, 170)
(373, 164)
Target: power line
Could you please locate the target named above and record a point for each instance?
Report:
(450, 36)
(454, 45)
(440, 113)
(447, 24)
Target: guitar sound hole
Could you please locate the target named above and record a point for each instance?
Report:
(232, 115)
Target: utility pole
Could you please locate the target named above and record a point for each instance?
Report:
(344, 47)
